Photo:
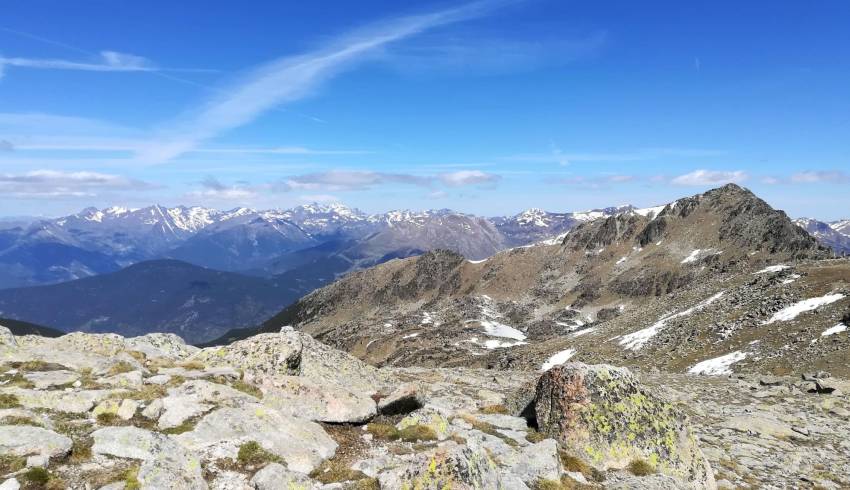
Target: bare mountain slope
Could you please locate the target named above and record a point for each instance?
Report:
(698, 279)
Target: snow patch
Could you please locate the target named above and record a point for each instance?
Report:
(834, 330)
(636, 340)
(582, 332)
(492, 326)
(622, 259)
(477, 261)
(719, 365)
(411, 335)
(773, 268)
(557, 359)
(793, 311)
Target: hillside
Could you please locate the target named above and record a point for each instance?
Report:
(698, 280)
(154, 296)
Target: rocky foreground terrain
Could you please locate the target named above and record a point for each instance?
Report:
(281, 410)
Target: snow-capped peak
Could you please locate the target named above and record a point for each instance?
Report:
(533, 217)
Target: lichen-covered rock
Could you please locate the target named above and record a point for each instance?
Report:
(25, 440)
(329, 402)
(61, 401)
(275, 476)
(602, 414)
(258, 357)
(48, 379)
(302, 444)
(165, 464)
(131, 380)
(160, 345)
(7, 338)
(449, 465)
(323, 363)
(428, 417)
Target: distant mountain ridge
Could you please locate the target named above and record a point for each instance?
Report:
(153, 296)
(260, 242)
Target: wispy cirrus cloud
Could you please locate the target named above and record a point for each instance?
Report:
(487, 53)
(710, 177)
(53, 183)
(596, 182)
(291, 78)
(109, 61)
(564, 158)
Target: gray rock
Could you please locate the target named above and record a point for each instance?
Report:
(131, 380)
(153, 410)
(159, 379)
(329, 402)
(402, 400)
(302, 444)
(48, 379)
(62, 401)
(165, 464)
(275, 476)
(259, 357)
(25, 440)
(178, 409)
(7, 339)
(10, 484)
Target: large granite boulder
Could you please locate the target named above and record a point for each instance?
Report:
(602, 414)
(165, 464)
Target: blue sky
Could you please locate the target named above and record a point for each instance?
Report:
(488, 107)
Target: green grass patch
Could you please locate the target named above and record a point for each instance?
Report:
(11, 464)
(332, 471)
(494, 409)
(252, 453)
(418, 432)
(120, 367)
(8, 400)
(640, 467)
(386, 432)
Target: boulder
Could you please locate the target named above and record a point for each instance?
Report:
(329, 402)
(25, 440)
(196, 397)
(302, 444)
(62, 401)
(43, 380)
(402, 400)
(275, 476)
(603, 415)
(160, 346)
(323, 364)
(7, 339)
(165, 464)
(131, 380)
(258, 357)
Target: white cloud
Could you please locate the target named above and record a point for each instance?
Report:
(212, 188)
(351, 180)
(53, 183)
(822, 176)
(710, 177)
(468, 177)
(291, 78)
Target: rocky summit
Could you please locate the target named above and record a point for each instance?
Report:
(282, 410)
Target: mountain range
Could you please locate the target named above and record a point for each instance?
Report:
(234, 269)
(717, 279)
